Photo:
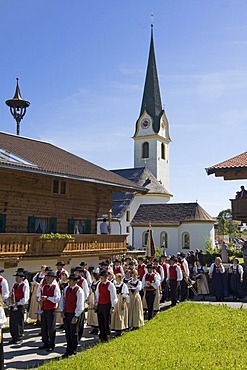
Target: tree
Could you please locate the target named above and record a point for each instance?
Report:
(226, 225)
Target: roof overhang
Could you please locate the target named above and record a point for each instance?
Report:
(40, 171)
(229, 173)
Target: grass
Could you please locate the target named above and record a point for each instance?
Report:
(189, 336)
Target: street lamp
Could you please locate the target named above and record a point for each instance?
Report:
(17, 106)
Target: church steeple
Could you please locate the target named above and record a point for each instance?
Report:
(151, 138)
(151, 100)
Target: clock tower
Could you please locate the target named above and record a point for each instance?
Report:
(151, 138)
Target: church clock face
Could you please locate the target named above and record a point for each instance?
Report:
(145, 123)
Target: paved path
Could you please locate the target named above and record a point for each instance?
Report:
(27, 355)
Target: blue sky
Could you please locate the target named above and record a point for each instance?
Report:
(82, 66)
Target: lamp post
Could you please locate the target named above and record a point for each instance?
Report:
(17, 106)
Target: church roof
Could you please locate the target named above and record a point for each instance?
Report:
(170, 214)
(36, 156)
(140, 176)
(237, 163)
(151, 100)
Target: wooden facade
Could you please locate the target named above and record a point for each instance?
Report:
(239, 209)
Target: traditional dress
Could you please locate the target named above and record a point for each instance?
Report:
(83, 283)
(160, 272)
(150, 282)
(3, 321)
(135, 308)
(200, 274)
(119, 318)
(105, 299)
(174, 276)
(235, 281)
(34, 304)
(72, 305)
(217, 273)
(92, 318)
(183, 284)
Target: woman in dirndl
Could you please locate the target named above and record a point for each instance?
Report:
(200, 273)
(236, 279)
(119, 318)
(92, 317)
(135, 308)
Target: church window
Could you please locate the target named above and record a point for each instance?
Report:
(186, 240)
(144, 238)
(164, 239)
(127, 229)
(145, 150)
(163, 151)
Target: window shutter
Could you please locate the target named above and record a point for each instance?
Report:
(87, 226)
(71, 226)
(53, 225)
(31, 224)
(2, 223)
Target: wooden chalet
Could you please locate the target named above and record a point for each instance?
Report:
(45, 189)
(233, 169)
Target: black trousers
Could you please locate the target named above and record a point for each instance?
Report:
(183, 290)
(150, 296)
(103, 313)
(174, 291)
(81, 321)
(1, 351)
(165, 291)
(48, 327)
(71, 333)
(16, 322)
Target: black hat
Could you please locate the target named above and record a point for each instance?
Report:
(140, 258)
(73, 277)
(1, 270)
(150, 266)
(182, 254)
(173, 258)
(48, 268)
(117, 260)
(103, 273)
(155, 260)
(20, 274)
(83, 263)
(51, 274)
(78, 268)
(60, 264)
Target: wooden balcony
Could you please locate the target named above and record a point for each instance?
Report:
(239, 209)
(27, 246)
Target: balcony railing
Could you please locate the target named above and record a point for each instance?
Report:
(31, 245)
(239, 209)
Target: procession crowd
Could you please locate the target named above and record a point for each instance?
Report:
(115, 296)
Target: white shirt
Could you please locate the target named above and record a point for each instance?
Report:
(124, 290)
(211, 270)
(104, 228)
(26, 292)
(80, 302)
(113, 294)
(179, 273)
(3, 319)
(137, 288)
(85, 288)
(156, 282)
(5, 289)
(186, 267)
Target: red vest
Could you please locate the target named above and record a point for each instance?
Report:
(1, 279)
(150, 278)
(43, 283)
(141, 270)
(182, 266)
(104, 294)
(48, 290)
(173, 272)
(158, 269)
(165, 269)
(80, 282)
(18, 291)
(116, 270)
(70, 300)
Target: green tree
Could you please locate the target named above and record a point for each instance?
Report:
(226, 225)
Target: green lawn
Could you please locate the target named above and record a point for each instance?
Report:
(189, 336)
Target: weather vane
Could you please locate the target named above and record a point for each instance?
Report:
(152, 20)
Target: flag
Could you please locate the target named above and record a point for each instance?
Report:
(150, 249)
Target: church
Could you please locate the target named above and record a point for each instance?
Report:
(175, 226)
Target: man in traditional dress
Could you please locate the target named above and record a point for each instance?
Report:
(105, 301)
(150, 282)
(4, 287)
(19, 296)
(174, 276)
(72, 306)
(50, 296)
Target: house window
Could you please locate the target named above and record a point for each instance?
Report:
(145, 150)
(128, 216)
(127, 229)
(186, 240)
(144, 238)
(76, 226)
(59, 187)
(42, 225)
(164, 239)
(163, 152)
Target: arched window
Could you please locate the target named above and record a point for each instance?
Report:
(185, 240)
(164, 239)
(144, 238)
(163, 151)
(145, 150)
